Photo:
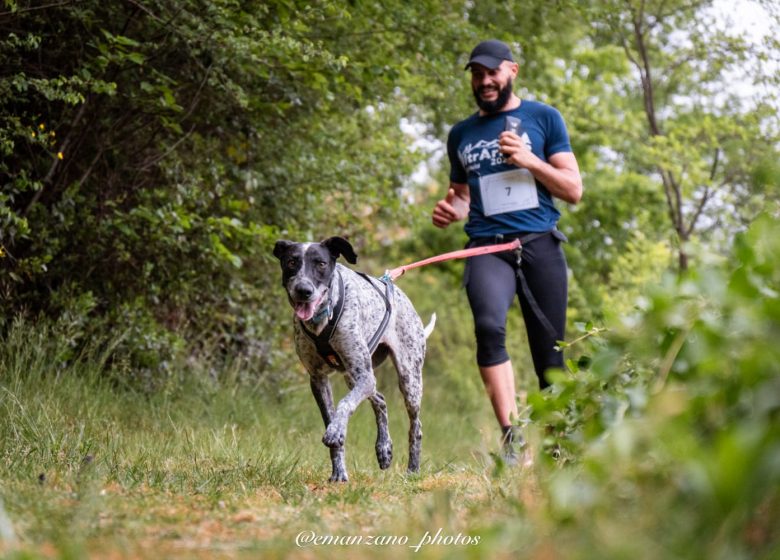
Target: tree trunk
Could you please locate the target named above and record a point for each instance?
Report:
(682, 253)
(682, 257)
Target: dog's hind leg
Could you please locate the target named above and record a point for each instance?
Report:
(320, 388)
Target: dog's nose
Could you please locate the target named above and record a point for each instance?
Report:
(304, 292)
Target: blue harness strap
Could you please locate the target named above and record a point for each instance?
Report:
(322, 341)
(388, 296)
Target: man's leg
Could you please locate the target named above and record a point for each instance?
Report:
(499, 382)
(544, 266)
(491, 285)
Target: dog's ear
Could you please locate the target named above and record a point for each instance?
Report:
(281, 247)
(340, 246)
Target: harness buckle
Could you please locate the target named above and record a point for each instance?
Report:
(333, 360)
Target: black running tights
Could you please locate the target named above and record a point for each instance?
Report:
(492, 284)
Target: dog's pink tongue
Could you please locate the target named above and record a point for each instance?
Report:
(305, 310)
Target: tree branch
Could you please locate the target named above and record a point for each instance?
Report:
(715, 162)
(55, 164)
(35, 8)
(645, 75)
(670, 198)
(705, 198)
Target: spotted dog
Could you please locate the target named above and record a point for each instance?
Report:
(347, 321)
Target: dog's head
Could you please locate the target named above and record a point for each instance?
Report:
(307, 269)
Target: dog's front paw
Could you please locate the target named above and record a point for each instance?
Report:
(384, 453)
(334, 436)
(339, 476)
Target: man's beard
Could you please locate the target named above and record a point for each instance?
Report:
(504, 94)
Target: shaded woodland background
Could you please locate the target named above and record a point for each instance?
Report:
(152, 152)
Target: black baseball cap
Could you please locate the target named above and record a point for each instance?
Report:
(490, 54)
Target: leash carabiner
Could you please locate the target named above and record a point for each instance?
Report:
(518, 249)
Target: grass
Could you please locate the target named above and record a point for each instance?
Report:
(209, 466)
(208, 469)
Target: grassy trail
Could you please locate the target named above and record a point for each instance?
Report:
(204, 471)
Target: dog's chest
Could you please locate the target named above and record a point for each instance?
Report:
(363, 313)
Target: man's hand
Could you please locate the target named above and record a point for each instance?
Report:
(515, 151)
(453, 207)
(560, 174)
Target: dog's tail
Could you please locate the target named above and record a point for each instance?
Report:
(430, 325)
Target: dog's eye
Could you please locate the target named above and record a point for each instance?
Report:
(292, 264)
(321, 265)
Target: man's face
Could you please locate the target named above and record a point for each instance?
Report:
(492, 88)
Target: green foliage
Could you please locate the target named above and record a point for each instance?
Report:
(151, 154)
(676, 412)
(696, 118)
(159, 150)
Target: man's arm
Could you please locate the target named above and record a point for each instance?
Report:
(454, 207)
(560, 174)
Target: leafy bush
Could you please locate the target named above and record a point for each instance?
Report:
(673, 425)
(150, 155)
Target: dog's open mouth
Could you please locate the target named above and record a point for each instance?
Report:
(305, 310)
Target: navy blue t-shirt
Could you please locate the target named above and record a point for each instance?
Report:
(472, 147)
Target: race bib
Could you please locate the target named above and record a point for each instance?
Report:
(508, 191)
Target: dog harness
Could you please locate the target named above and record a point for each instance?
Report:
(322, 341)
